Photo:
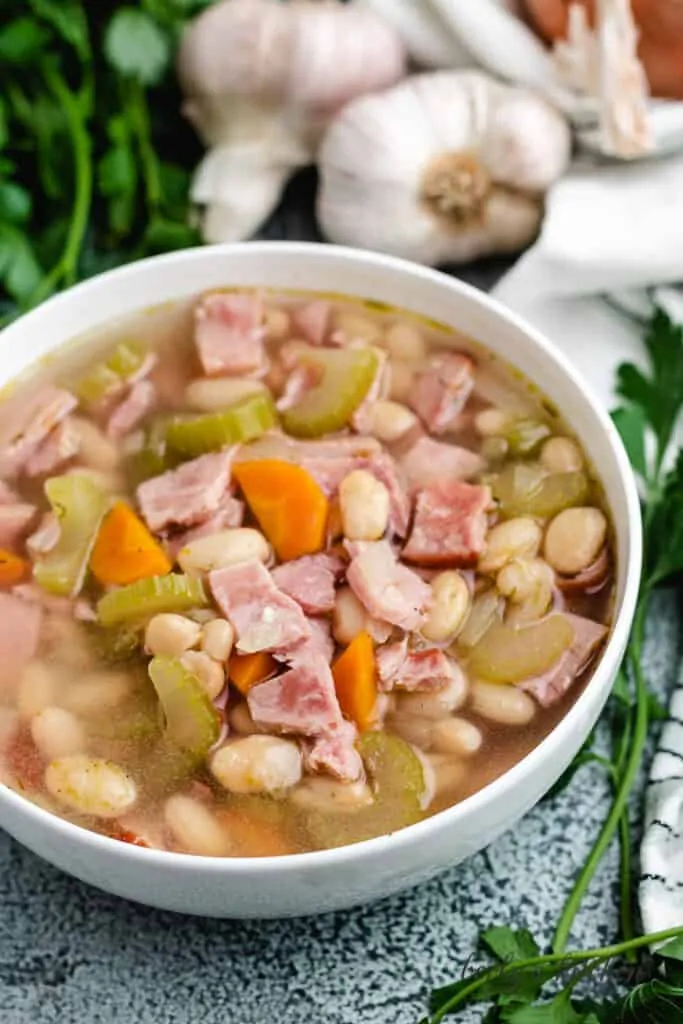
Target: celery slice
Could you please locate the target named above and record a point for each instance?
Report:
(509, 654)
(79, 505)
(525, 436)
(171, 593)
(192, 725)
(244, 421)
(155, 456)
(125, 360)
(346, 376)
(525, 489)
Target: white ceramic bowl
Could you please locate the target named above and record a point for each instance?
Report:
(314, 882)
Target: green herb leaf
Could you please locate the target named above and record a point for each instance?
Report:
(632, 425)
(15, 203)
(508, 944)
(559, 1011)
(67, 18)
(4, 127)
(165, 235)
(673, 950)
(21, 40)
(136, 46)
(20, 271)
(665, 530)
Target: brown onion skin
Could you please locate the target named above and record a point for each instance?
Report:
(661, 36)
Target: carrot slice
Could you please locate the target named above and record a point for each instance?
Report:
(125, 551)
(355, 680)
(246, 670)
(288, 503)
(13, 569)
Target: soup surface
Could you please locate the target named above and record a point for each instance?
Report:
(284, 572)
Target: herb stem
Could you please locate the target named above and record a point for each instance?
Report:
(148, 157)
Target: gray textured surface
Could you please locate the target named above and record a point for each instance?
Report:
(71, 955)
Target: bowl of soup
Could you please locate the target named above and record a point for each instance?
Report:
(316, 569)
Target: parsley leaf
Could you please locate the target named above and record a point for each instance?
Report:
(21, 40)
(664, 555)
(136, 46)
(508, 944)
(559, 1011)
(631, 423)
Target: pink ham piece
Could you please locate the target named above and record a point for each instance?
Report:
(552, 686)
(187, 495)
(310, 581)
(388, 590)
(301, 701)
(334, 753)
(229, 516)
(450, 524)
(30, 426)
(329, 471)
(16, 521)
(319, 643)
(229, 334)
(264, 618)
(21, 621)
(313, 320)
(399, 668)
(60, 446)
(361, 421)
(429, 461)
(300, 380)
(132, 409)
(441, 392)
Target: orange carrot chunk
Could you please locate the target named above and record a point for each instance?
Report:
(355, 680)
(290, 506)
(13, 569)
(246, 670)
(125, 551)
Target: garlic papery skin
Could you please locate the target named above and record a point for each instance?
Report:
(444, 167)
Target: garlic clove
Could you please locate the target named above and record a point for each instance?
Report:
(516, 118)
(428, 40)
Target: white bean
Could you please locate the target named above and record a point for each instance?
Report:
(412, 728)
(515, 538)
(349, 617)
(96, 450)
(357, 327)
(97, 692)
(331, 797)
(195, 828)
(37, 689)
(404, 341)
(528, 584)
(218, 637)
(561, 455)
(390, 420)
(278, 324)
(491, 422)
(456, 736)
(91, 785)
(241, 721)
(57, 733)
(502, 703)
(214, 394)
(210, 673)
(257, 764)
(402, 380)
(435, 703)
(450, 607)
(364, 504)
(227, 547)
(574, 539)
(171, 634)
(447, 774)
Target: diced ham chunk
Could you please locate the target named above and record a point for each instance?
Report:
(449, 528)
(229, 516)
(132, 409)
(310, 581)
(62, 444)
(361, 421)
(229, 334)
(21, 621)
(397, 667)
(388, 590)
(320, 642)
(301, 701)
(313, 320)
(7, 494)
(334, 753)
(264, 618)
(552, 686)
(187, 495)
(300, 380)
(329, 471)
(30, 426)
(441, 392)
(16, 521)
(429, 461)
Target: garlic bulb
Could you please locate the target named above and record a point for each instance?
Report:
(444, 167)
(261, 80)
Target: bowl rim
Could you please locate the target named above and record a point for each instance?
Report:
(448, 818)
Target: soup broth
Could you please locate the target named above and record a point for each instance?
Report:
(281, 572)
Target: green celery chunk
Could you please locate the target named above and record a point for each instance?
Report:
(118, 644)
(171, 593)
(244, 421)
(509, 654)
(155, 456)
(399, 787)
(525, 436)
(125, 360)
(346, 376)
(191, 722)
(79, 505)
(526, 489)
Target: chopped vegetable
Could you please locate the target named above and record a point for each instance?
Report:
(509, 654)
(244, 421)
(13, 568)
(116, 644)
(525, 436)
(486, 608)
(290, 506)
(110, 374)
(125, 550)
(155, 456)
(192, 724)
(526, 489)
(346, 376)
(355, 680)
(148, 597)
(246, 670)
(79, 505)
